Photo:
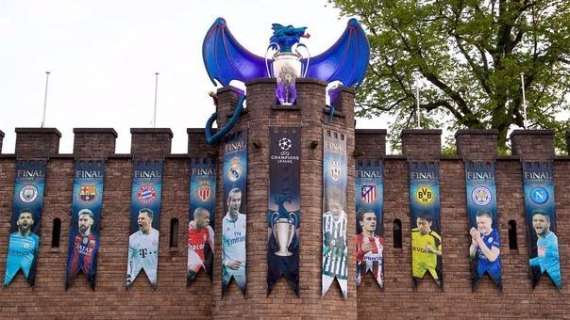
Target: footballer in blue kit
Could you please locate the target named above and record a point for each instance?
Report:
(548, 257)
(485, 249)
(22, 249)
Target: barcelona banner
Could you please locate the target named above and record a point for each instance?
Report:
(284, 213)
(369, 236)
(145, 216)
(87, 201)
(539, 204)
(335, 249)
(24, 240)
(202, 216)
(425, 222)
(234, 222)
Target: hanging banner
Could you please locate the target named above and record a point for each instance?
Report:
(335, 250)
(481, 193)
(234, 222)
(145, 216)
(369, 238)
(202, 216)
(425, 208)
(24, 240)
(87, 201)
(539, 204)
(284, 213)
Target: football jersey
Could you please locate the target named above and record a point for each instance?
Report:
(233, 239)
(548, 257)
(335, 250)
(21, 254)
(483, 264)
(143, 254)
(423, 260)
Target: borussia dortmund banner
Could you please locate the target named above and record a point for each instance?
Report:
(234, 221)
(539, 203)
(335, 250)
(201, 216)
(24, 240)
(481, 194)
(87, 201)
(145, 216)
(424, 208)
(284, 214)
(369, 227)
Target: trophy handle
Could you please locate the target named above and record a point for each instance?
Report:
(273, 46)
(296, 50)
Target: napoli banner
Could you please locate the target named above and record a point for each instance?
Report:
(284, 213)
(234, 221)
(202, 215)
(425, 222)
(539, 203)
(87, 201)
(145, 216)
(481, 193)
(24, 240)
(369, 238)
(335, 249)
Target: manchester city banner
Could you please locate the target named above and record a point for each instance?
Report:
(145, 216)
(234, 221)
(87, 201)
(24, 240)
(425, 223)
(369, 237)
(539, 204)
(284, 213)
(481, 193)
(202, 216)
(335, 250)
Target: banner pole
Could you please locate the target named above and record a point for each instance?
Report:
(418, 115)
(155, 98)
(524, 100)
(45, 100)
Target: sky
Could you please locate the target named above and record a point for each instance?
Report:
(102, 56)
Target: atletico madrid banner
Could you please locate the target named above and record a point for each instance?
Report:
(284, 213)
(24, 240)
(202, 216)
(369, 237)
(426, 232)
(145, 216)
(539, 204)
(335, 250)
(87, 201)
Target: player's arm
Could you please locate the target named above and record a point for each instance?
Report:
(211, 237)
(490, 253)
(473, 247)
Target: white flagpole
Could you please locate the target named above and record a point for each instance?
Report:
(155, 97)
(524, 100)
(45, 100)
(418, 115)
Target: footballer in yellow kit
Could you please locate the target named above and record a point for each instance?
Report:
(426, 247)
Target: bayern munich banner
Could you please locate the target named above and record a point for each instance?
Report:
(335, 249)
(284, 213)
(481, 193)
(24, 240)
(145, 216)
(369, 237)
(425, 221)
(87, 201)
(202, 216)
(539, 204)
(234, 221)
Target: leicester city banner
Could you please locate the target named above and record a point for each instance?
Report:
(284, 214)
(335, 250)
(369, 237)
(202, 215)
(481, 193)
(539, 204)
(425, 222)
(145, 216)
(28, 201)
(234, 222)
(87, 201)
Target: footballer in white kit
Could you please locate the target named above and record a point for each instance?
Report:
(143, 250)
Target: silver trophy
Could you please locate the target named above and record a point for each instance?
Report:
(283, 231)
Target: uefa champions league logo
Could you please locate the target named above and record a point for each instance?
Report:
(481, 196)
(29, 193)
(285, 144)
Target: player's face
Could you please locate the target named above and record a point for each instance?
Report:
(203, 219)
(423, 225)
(234, 202)
(85, 223)
(484, 224)
(368, 222)
(540, 224)
(144, 222)
(25, 222)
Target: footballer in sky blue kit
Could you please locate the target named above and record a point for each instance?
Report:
(548, 257)
(22, 248)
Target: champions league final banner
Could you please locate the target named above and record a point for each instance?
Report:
(24, 240)
(145, 216)
(284, 214)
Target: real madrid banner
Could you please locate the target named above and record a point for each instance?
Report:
(335, 250)
(145, 216)
(426, 232)
(369, 237)
(284, 213)
(234, 221)
(87, 201)
(481, 193)
(24, 240)
(539, 203)
(202, 216)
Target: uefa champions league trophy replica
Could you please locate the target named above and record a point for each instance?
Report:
(284, 227)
